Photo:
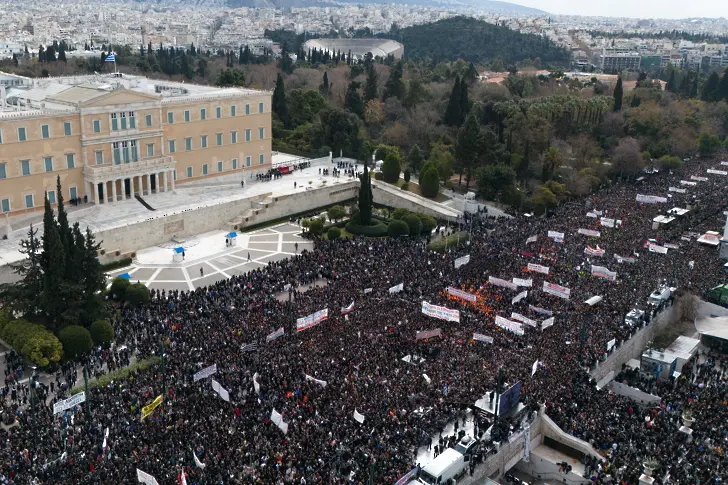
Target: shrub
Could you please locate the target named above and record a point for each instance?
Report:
(102, 332)
(399, 213)
(137, 294)
(378, 176)
(391, 167)
(430, 181)
(119, 288)
(32, 341)
(316, 227)
(377, 229)
(117, 264)
(407, 175)
(457, 239)
(336, 212)
(428, 223)
(76, 341)
(333, 233)
(397, 229)
(414, 224)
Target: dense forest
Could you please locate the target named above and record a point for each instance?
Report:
(666, 34)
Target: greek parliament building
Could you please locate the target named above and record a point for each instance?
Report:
(111, 137)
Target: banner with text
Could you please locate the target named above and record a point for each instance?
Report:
(462, 261)
(74, 400)
(589, 232)
(428, 334)
(677, 189)
(501, 282)
(557, 290)
(549, 322)
(463, 295)
(556, 236)
(274, 335)
(538, 268)
(397, 288)
(540, 311)
(698, 179)
(651, 199)
(602, 272)
(206, 372)
(717, 172)
(606, 222)
(440, 312)
(688, 182)
(505, 324)
(624, 259)
(654, 248)
(479, 337)
(521, 282)
(149, 408)
(312, 320)
(526, 320)
(519, 297)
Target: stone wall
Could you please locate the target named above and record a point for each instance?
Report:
(391, 196)
(633, 393)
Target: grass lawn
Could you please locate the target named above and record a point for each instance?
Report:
(415, 189)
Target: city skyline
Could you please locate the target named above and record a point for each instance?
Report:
(672, 9)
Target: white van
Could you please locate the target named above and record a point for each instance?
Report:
(449, 464)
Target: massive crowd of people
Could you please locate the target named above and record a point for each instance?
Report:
(350, 363)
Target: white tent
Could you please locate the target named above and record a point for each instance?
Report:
(713, 326)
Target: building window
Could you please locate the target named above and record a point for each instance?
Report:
(219, 166)
(99, 155)
(233, 110)
(51, 196)
(114, 122)
(189, 172)
(3, 171)
(150, 150)
(132, 120)
(148, 120)
(203, 141)
(116, 150)
(247, 135)
(123, 121)
(204, 169)
(48, 163)
(70, 160)
(262, 159)
(29, 201)
(170, 117)
(188, 144)
(67, 128)
(247, 161)
(171, 146)
(247, 109)
(1, 137)
(125, 151)
(73, 192)
(25, 167)
(45, 131)
(203, 114)
(235, 163)
(134, 151)
(234, 137)
(187, 116)
(6, 205)
(260, 107)
(218, 112)
(21, 134)
(174, 174)
(219, 139)
(97, 126)
(261, 133)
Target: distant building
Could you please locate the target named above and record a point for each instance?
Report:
(358, 47)
(619, 61)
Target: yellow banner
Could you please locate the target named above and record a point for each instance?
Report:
(149, 409)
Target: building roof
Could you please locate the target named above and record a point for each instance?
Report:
(713, 326)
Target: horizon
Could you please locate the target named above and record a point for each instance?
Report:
(651, 9)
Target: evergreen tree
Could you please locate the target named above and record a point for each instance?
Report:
(394, 88)
(415, 158)
(246, 56)
(453, 113)
(193, 51)
(618, 94)
(278, 102)
(286, 63)
(468, 147)
(464, 101)
(670, 86)
(25, 296)
(353, 99)
(636, 101)
(64, 229)
(710, 91)
(93, 276)
(41, 54)
(694, 86)
(52, 302)
(471, 75)
(324, 88)
(723, 86)
(15, 60)
(62, 54)
(370, 88)
(365, 196)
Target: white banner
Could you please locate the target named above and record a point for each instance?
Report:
(440, 312)
(397, 288)
(479, 337)
(312, 320)
(428, 334)
(606, 222)
(462, 261)
(651, 199)
(146, 478)
(654, 248)
(368, 290)
(274, 335)
(594, 214)
(538, 268)
(256, 385)
(590, 251)
(549, 322)
(61, 406)
(534, 368)
(198, 463)
(687, 182)
(521, 318)
(519, 297)
(678, 190)
(556, 236)
(221, 391)
(698, 179)
(541, 311)
(525, 283)
(602, 272)
(464, 295)
(531, 239)
(317, 381)
(277, 419)
(624, 259)
(717, 172)
(724, 163)
(501, 282)
(359, 418)
(589, 232)
(557, 290)
(504, 323)
(610, 344)
(206, 372)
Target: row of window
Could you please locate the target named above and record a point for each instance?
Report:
(45, 132)
(126, 120)
(29, 199)
(221, 166)
(48, 165)
(218, 113)
(218, 139)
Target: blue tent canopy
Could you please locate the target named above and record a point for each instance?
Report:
(232, 234)
(125, 276)
(179, 250)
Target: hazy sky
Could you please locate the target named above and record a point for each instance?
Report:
(632, 8)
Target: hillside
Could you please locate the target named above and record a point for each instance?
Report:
(489, 5)
(476, 41)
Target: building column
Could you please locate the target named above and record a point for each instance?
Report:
(113, 191)
(97, 193)
(164, 180)
(171, 178)
(149, 184)
(140, 192)
(91, 193)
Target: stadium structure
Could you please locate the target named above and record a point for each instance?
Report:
(358, 47)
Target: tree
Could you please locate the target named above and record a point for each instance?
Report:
(552, 159)
(710, 91)
(25, 296)
(333, 233)
(492, 179)
(543, 199)
(353, 100)
(464, 100)
(76, 341)
(723, 86)
(618, 93)
(230, 78)
(370, 87)
(671, 82)
(413, 223)
(278, 102)
(429, 180)
(336, 213)
(286, 63)
(324, 88)
(453, 112)
(708, 144)
(415, 158)
(391, 167)
(304, 106)
(468, 147)
(394, 88)
(627, 157)
(441, 156)
(53, 265)
(398, 229)
(471, 75)
(339, 130)
(365, 197)
(374, 112)
(202, 68)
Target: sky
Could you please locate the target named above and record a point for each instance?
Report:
(675, 9)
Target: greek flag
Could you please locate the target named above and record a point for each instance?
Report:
(111, 57)
(250, 347)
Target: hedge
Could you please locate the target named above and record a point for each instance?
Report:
(378, 229)
(116, 264)
(119, 374)
(453, 240)
(32, 341)
(398, 228)
(137, 294)
(414, 223)
(119, 288)
(76, 341)
(102, 332)
(333, 233)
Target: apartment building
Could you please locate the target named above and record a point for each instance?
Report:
(110, 138)
(619, 61)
